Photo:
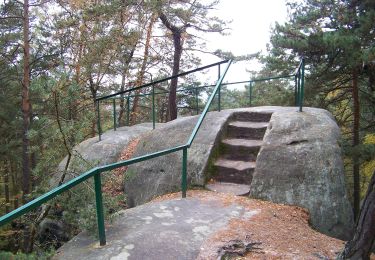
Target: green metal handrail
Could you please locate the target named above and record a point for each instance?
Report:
(299, 81)
(205, 110)
(299, 85)
(152, 94)
(162, 80)
(96, 173)
(166, 92)
(151, 84)
(263, 79)
(299, 76)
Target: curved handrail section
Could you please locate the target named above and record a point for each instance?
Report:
(151, 84)
(299, 92)
(162, 80)
(96, 172)
(209, 102)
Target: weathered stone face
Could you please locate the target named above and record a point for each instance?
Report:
(92, 152)
(162, 175)
(300, 164)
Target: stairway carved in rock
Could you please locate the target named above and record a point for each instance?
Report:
(233, 169)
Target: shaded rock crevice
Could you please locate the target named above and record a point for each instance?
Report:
(243, 136)
(296, 142)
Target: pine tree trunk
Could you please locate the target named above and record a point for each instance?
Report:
(356, 193)
(172, 104)
(142, 71)
(177, 42)
(26, 107)
(26, 115)
(359, 247)
(93, 90)
(6, 187)
(121, 120)
(122, 102)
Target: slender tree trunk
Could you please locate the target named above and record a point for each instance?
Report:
(356, 193)
(177, 43)
(6, 187)
(172, 104)
(142, 71)
(14, 184)
(14, 178)
(26, 102)
(33, 155)
(359, 247)
(26, 112)
(123, 77)
(122, 102)
(45, 211)
(94, 91)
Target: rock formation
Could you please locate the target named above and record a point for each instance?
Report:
(300, 164)
(162, 175)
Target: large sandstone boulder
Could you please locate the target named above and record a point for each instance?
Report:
(300, 164)
(92, 152)
(162, 175)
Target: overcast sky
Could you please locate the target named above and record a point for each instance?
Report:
(250, 30)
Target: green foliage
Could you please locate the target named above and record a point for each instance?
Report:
(79, 51)
(337, 40)
(129, 174)
(80, 209)
(21, 256)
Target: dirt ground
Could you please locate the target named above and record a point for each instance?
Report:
(278, 231)
(282, 231)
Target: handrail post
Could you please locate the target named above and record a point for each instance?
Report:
(114, 114)
(250, 94)
(219, 93)
(208, 104)
(298, 87)
(184, 172)
(302, 84)
(98, 119)
(196, 101)
(153, 107)
(128, 110)
(295, 91)
(99, 208)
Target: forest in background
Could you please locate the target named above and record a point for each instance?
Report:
(57, 57)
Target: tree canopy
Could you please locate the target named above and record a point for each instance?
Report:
(337, 39)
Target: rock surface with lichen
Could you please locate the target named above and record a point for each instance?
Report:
(300, 163)
(162, 175)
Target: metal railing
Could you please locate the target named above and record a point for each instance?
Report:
(298, 95)
(299, 79)
(97, 171)
(153, 95)
(151, 84)
(299, 83)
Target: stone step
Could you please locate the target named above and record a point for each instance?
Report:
(236, 165)
(240, 149)
(229, 188)
(246, 130)
(240, 172)
(251, 116)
